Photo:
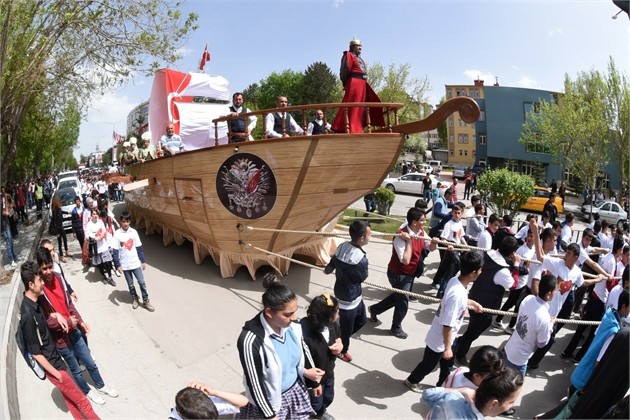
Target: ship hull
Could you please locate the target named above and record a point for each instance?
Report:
(218, 197)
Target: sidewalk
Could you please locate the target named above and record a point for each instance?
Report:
(192, 335)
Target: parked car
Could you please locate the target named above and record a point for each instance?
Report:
(459, 171)
(478, 169)
(608, 210)
(70, 182)
(69, 174)
(424, 168)
(67, 204)
(412, 183)
(537, 202)
(436, 165)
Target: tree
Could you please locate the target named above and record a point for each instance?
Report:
(320, 85)
(64, 52)
(397, 85)
(575, 129)
(617, 111)
(505, 190)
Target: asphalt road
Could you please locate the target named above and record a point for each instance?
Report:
(192, 335)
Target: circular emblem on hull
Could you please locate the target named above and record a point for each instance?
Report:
(246, 186)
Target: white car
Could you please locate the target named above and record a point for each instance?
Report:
(412, 183)
(70, 182)
(66, 195)
(424, 168)
(608, 210)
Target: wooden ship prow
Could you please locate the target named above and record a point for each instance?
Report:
(252, 203)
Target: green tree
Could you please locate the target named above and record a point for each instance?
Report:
(575, 129)
(617, 111)
(320, 85)
(504, 190)
(67, 51)
(398, 85)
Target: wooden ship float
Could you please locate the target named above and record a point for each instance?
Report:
(234, 200)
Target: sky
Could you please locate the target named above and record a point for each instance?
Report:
(530, 44)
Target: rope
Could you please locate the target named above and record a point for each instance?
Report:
(411, 294)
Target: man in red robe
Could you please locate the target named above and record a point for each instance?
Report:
(353, 74)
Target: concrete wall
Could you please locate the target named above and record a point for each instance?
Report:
(10, 299)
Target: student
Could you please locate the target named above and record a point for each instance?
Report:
(447, 322)
(276, 362)
(533, 325)
(129, 259)
(101, 257)
(351, 269)
(486, 361)
(495, 395)
(40, 343)
(199, 401)
(322, 336)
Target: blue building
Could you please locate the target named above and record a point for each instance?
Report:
(497, 135)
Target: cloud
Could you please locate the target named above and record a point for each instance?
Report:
(474, 74)
(554, 31)
(184, 51)
(337, 3)
(526, 82)
(514, 66)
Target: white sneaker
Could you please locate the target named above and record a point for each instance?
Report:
(108, 391)
(13, 264)
(95, 398)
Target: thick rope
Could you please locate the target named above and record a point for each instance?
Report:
(411, 294)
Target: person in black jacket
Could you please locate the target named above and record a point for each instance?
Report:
(323, 337)
(351, 265)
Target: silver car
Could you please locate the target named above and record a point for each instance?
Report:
(608, 210)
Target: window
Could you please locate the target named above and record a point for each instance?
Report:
(449, 93)
(465, 136)
(460, 152)
(482, 139)
(465, 152)
(460, 139)
(451, 124)
(451, 139)
(528, 168)
(482, 115)
(452, 152)
(512, 165)
(537, 145)
(459, 122)
(531, 107)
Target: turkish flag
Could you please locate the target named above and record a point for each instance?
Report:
(205, 57)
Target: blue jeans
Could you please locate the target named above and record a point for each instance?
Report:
(8, 240)
(522, 369)
(140, 277)
(78, 350)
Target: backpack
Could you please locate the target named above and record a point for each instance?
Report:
(30, 360)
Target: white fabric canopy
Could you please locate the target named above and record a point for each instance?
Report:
(197, 129)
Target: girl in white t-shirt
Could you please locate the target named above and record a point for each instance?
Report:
(486, 361)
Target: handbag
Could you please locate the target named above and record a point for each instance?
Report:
(52, 228)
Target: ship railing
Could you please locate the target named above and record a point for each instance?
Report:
(390, 116)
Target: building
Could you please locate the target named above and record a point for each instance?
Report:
(462, 137)
(138, 118)
(503, 112)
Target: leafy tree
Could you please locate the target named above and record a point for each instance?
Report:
(617, 111)
(320, 85)
(64, 52)
(289, 83)
(397, 85)
(504, 190)
(575, 129)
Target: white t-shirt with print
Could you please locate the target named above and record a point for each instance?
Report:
(608, 264)
(126, 242)
(528, 253)
(453, 231)
(450, 313)
(567, 279)
(533, 326)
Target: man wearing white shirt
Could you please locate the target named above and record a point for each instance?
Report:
(475, 225)
(449, 265)
(317, 126)
(240, 132)
(280, 124)
(534, 326)
(485, 238)
(569, 276)
(596, 303)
